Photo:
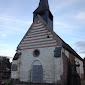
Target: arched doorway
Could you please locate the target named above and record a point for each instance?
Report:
(37, 72)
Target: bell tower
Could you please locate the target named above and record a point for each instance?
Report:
(44, 11)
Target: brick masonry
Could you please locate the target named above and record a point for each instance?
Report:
(72, 58)
(64, 76)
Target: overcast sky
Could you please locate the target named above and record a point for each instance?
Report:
(16, 16)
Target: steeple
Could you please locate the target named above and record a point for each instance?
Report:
(44, 11)
(43, 5)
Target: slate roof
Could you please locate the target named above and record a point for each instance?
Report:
(67, 47)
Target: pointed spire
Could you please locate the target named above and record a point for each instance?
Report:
(43, 5)
(44, 12)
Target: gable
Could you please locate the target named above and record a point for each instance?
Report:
(38, 36)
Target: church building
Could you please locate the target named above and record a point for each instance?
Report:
(42, 56)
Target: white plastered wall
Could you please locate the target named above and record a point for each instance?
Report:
(46, 58)
(58, 69)
(15, 74)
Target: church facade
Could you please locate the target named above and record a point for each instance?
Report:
(42, 56)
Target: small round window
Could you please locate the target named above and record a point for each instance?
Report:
(36, 53)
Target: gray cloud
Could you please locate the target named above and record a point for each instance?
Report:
(80, 46)
(82, 51)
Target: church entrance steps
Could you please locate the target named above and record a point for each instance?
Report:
(83, 82)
